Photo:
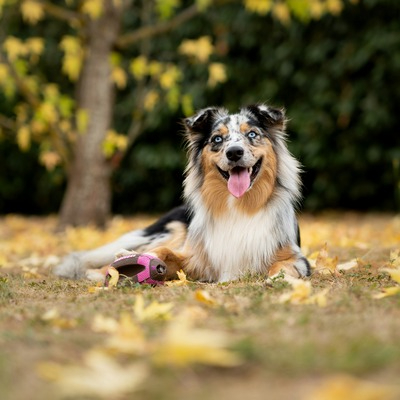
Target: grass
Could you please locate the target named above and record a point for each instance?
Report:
(286, 351)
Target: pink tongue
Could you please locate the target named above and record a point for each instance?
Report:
(239, 181)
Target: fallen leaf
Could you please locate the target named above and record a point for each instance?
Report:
(100, 376)
(347, 387)
(325, 264)
(347, 265)
(204, 297)
(302, 294)
(128, 337)
(386, 292)
(394, 273)
(112, 277)
(395, 258)
(153, 311)
(182, 344)
(181, 281)
(104, 324)
(53, 318)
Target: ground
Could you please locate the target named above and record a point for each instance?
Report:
(333, 336)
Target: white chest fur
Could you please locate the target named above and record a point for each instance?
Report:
(237, 243)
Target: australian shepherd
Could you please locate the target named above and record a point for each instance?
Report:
(241, 189)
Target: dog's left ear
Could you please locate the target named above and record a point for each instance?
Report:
(268, 116)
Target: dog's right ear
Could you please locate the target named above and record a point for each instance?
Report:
(202, 122)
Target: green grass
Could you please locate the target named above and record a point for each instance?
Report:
(286, 350)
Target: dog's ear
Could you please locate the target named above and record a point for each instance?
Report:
(202, 121)
(269, 117)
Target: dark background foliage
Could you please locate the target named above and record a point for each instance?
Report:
(338, 78)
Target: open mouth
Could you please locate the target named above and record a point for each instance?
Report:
(240, 179)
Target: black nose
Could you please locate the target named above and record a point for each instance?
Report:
(234, 153)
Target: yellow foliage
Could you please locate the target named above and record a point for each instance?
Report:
(118, 76)
(4, 73)
(171, 75)
(334, 6)
(24, 138)
(73, 56)
(216, 74)
(200, 50)
(47, 112)
(204, 297)
(82, 120)
(261, 7)
(50, 159)
(35, 45)
(32, 11)
(114, 142)
(93, 8)
(281, 11)
(347, 387)
(187, 105)
(150, 100)
(138, 67)
(14, 48)
(203, 4)
(154, 311)
(165, 8)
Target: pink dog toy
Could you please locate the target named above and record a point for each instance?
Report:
(142, 268)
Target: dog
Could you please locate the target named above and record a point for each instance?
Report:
(241, 191)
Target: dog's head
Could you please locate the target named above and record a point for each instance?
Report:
(236, 150)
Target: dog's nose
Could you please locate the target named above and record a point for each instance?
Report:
(234, 153)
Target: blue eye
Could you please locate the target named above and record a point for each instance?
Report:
(217, 139)
(252, 135)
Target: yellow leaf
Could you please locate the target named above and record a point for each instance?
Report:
(216, 74)
(53, 318)
(119, 77)
(114, 142)
(390, 291)
(50, 159)
(347, 265)
(181, 280)
(204, 297)
(73, 56)
(14, 48)
(334, 6)
(187, 105)
(24, 138)
(93, 8)
(394, 273)
(139, 67)
(4, 73)
(32, 11)
(35, 45)
(153, 311)
(281, 12)
(114, 277)
(170, 76)
(261, 7)
(202, 5)
(200, 50)
(128, 338)
(395, 258)
(349, 388)
(324, 263)
(82, 120)
(182, 345)
(302, 294)
(100, 376)
(104, 324)
(150, 100)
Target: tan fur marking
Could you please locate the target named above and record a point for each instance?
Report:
(253, 200)
(214, 190)
(284, 261)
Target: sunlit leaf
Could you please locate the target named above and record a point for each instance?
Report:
(118, 76)
(154, 311)
(347, 387)
(216, 74)
(114, 277)
(166, 8)
(24, 138)
(14, 48)
(138, 67)
(114, 142)
(204, 297)
(73, 56)
(302, 293)
(50, 159)
(32, 11)
(170, 76)
(394, 273)
(386, 292)
(200, 49)
(261, 7)
(182, 344)
(99, 376)
(324, 263)
(150, 100)
(93, 8)
(53, 318)
(182, 280)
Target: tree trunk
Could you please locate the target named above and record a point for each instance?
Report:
(88, 195)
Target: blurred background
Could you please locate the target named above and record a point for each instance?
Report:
(92, 95)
